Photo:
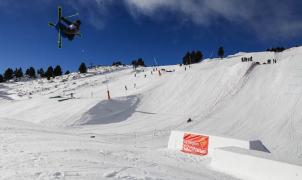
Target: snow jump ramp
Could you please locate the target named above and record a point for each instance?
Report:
(109, 111)
(242, 159)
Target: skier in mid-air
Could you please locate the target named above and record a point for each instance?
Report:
(69, 29)
(66, 28)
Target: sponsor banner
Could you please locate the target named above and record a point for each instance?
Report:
(195, 144)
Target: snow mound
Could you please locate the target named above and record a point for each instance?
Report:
(109, 111)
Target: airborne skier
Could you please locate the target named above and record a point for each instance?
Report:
(66, 28)
(69, 29)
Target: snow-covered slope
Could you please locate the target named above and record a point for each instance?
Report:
(45, 134)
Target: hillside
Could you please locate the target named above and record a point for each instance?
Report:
(46, 134)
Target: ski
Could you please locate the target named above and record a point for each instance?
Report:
(59, 13)
(59, 29)
(59, 38)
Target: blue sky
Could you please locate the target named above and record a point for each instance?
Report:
(129, 29)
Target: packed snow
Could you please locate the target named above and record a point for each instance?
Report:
(66, 128)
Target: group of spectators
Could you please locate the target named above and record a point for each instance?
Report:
(245, 59)
(269, 61)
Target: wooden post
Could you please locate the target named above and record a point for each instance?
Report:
(108, 94)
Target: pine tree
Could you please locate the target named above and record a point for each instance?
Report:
(83, 68)
(41, 72)
(67, 72)
(140, 62)
(186, 59)
(27, 72)
(198, 57)
(49, 72)
(192, 57)
(18, 73)
(57, 71)
(221, 52)
(1, 78)
(32, 72)
(8, 74)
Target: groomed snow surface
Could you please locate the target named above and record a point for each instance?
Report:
(66, 128)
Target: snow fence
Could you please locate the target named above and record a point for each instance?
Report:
(243, 159)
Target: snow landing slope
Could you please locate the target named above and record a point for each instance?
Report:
(45, 134)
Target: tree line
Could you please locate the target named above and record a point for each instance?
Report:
(138, 62)
(117, 63)
(135, 63)
(52, 72)
(192, 57)
(276, 49)
(31, 72)
(189, 58)
(197, 56)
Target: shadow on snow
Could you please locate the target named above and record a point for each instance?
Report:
(110, 111)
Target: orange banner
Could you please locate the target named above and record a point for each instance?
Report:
(195, 144)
